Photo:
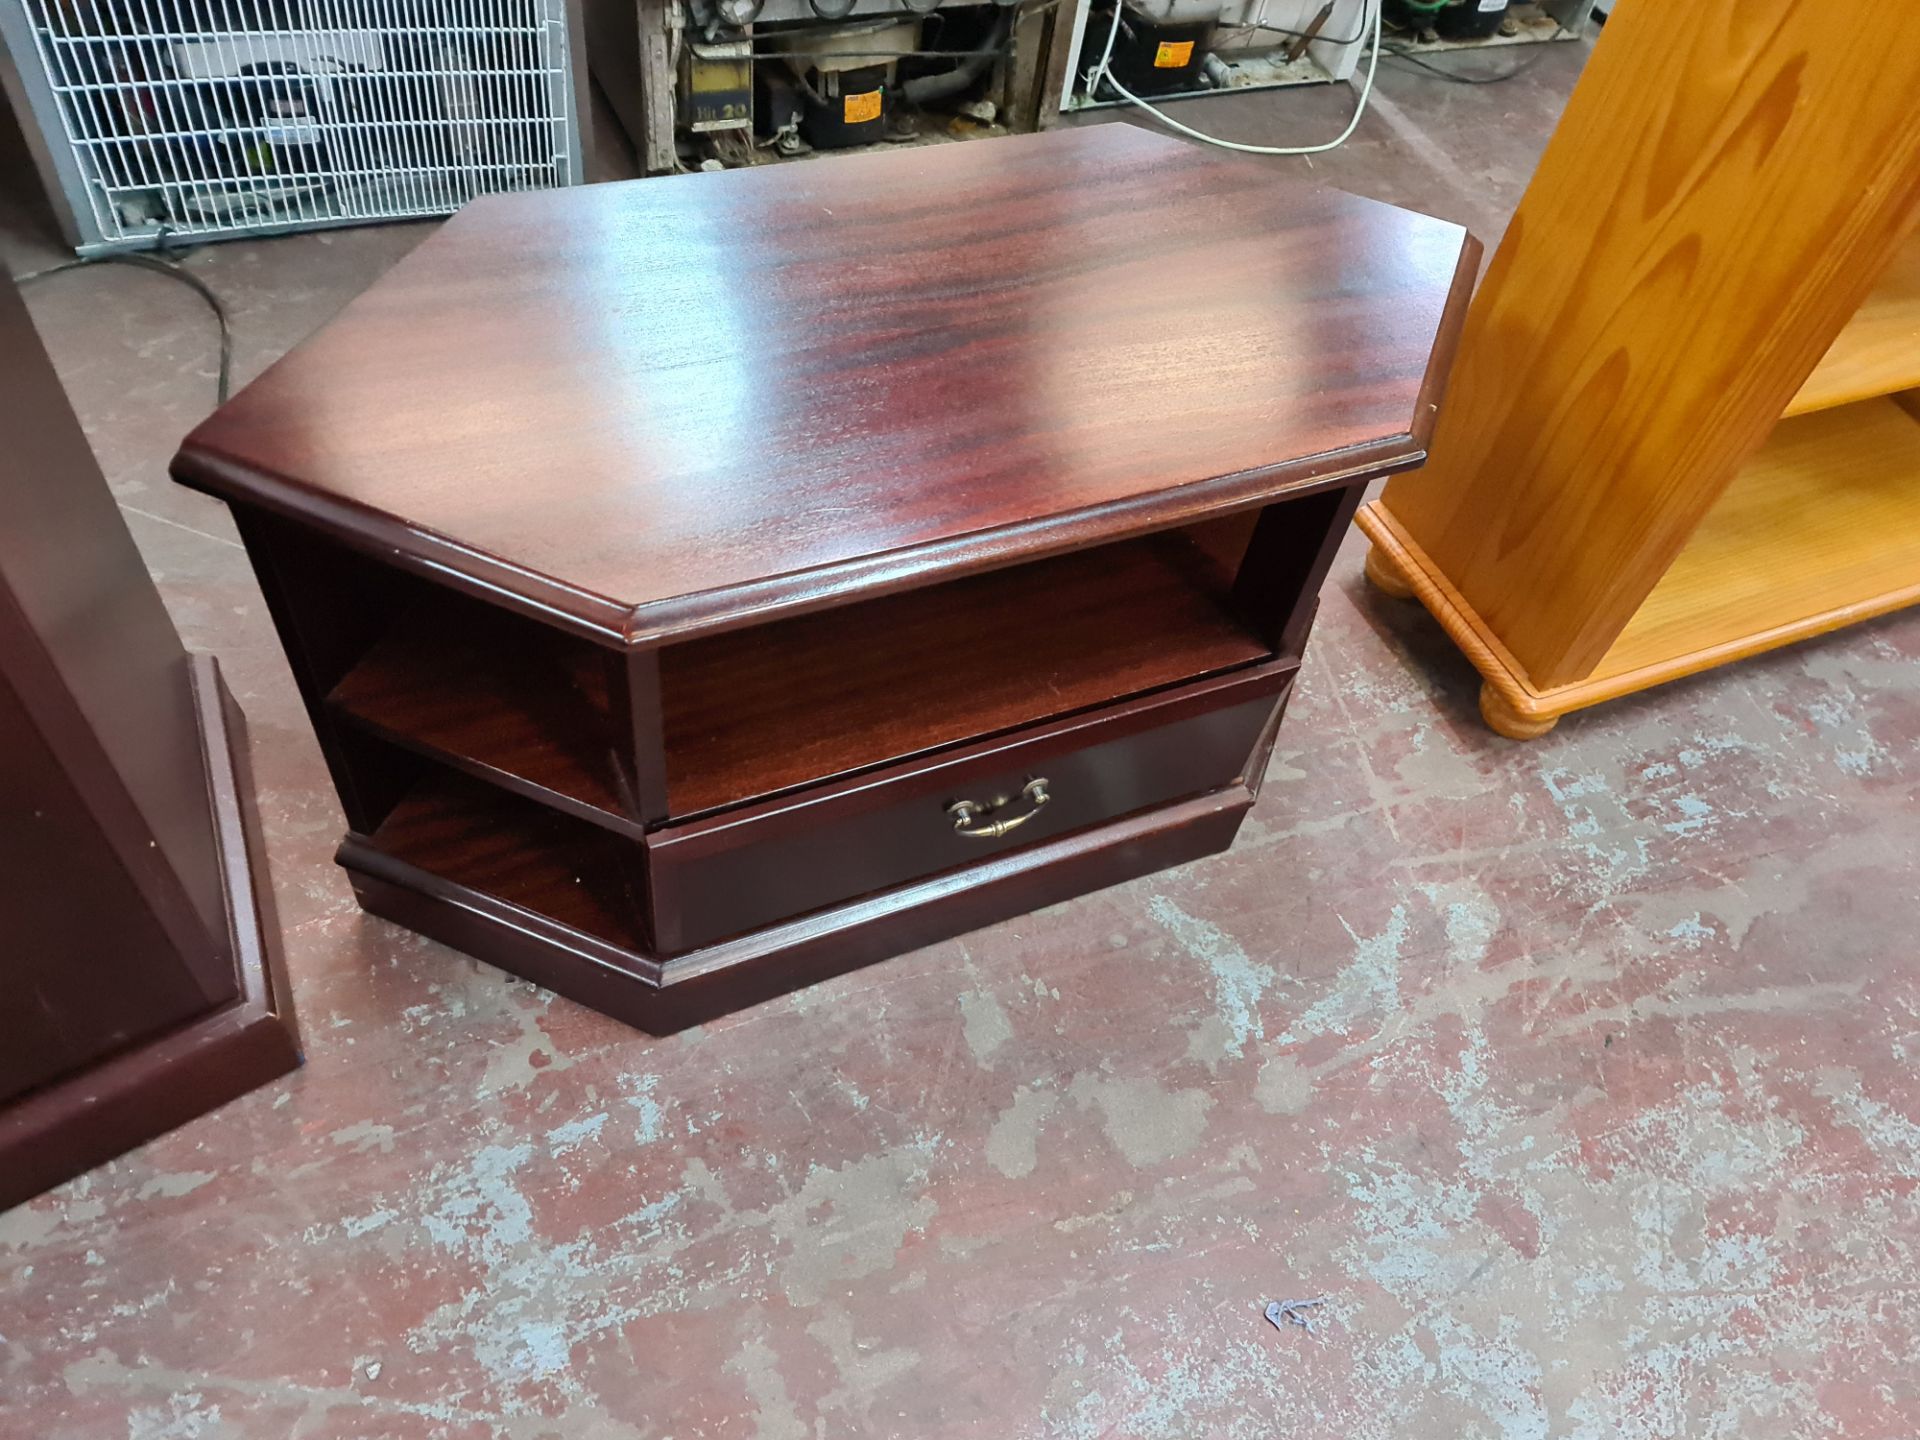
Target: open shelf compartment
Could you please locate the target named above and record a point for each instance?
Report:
(506, 699)
(499, 844)
(757, 712)
(390, 661)
(752, 713)
(1820, 529)
(1879, 351)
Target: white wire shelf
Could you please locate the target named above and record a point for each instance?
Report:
(207, 118)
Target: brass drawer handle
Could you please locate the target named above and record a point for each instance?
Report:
(966, 813)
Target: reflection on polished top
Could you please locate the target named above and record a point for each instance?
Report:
(667, 405)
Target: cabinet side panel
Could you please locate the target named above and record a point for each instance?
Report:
(1287, 559)
(94, 658)
(85, 967)
(328, 604)
(639, 709)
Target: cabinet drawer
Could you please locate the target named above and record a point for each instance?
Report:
(752, 867)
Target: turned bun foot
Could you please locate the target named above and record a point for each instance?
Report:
(1385, 576)
(1503, 719)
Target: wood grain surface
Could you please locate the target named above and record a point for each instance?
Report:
(114, 897)
(758, 866)
(136, 921)
(663, 996)
(758, 711)
(83, 1117)
(554, 865)
(690, 402)
(1717, 201)
(516, 703)
(1820, 528)
(658, 563)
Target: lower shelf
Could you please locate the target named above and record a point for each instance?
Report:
(546, 919)
(486, 840)
(1821, 529)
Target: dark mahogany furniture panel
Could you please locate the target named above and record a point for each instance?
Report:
(704, 585)
(140, 958)
(751, 867)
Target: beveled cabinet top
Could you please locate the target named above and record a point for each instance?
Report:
(671, 405)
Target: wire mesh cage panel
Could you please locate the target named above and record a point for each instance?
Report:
(211, 118)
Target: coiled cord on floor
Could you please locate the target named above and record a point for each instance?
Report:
(172, 271)
(1103, 71)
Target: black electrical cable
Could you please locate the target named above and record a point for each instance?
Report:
(863, 54)
(923, 89)
(1394, 52)
(777, 53)
(1246, 27)
(1457, 77)
(160, 267)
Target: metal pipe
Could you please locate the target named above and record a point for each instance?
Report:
(924, 88)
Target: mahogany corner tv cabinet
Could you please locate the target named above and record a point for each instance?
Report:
(701, 586)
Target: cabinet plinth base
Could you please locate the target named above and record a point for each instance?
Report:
(55, 1133)
(662, 996)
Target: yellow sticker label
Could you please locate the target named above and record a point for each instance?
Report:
(861, 108)
(1172, 54)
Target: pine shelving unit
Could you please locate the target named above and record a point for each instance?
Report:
(1700, 439)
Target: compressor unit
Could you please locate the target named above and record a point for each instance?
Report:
(1162, 45)
(841, 80)
(1448, 19)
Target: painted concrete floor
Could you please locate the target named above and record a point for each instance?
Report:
(1578, 1077)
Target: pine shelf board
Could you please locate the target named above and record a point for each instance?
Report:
(1819, 530)
(1879, 351)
